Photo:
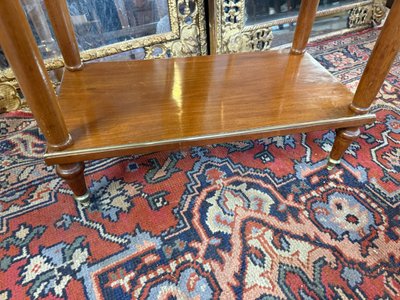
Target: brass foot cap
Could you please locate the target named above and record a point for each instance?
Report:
(332, 163)
(83, 200)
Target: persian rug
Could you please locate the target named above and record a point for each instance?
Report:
(257, 219)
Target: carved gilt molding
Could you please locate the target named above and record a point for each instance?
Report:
(359, 16)
(379, 11)
(193, 39)
(232, 35)
(367, 14)
(9, 98)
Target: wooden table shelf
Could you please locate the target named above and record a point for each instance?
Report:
(121, 108)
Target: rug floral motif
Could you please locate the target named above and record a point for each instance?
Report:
(258, 219)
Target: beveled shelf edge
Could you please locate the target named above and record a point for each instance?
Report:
(72, 156)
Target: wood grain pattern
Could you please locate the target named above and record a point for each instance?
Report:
(22, 53)
(378, 66)
(344, 137)
(305, 21)
(64, 32)
(73, 174)
(121, 108)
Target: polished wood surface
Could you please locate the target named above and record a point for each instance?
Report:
(378, 66)
(73, 174)
(305, 21)
(64, 31)
(21, 51)
(120, 108)
(344, 137)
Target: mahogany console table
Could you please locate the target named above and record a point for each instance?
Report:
(120, 108)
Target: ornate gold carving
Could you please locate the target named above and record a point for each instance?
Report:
(367, 14)
(235, 37)
(6, 75)
(232, 35)
(360, 16)
(379, 11)
(233, 11)
(192, 40)
(202, 27)
(248, 41)
(9, 98)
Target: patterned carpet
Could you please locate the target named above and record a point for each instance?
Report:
(260, 219)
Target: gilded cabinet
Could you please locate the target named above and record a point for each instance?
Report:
(258, 25)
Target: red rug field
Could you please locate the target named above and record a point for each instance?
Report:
(259, 219)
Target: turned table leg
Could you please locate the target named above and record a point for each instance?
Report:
(382, 57)
(305, 21)
(19, 46)
(73, 174)
(378, 66)
(344, 137)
